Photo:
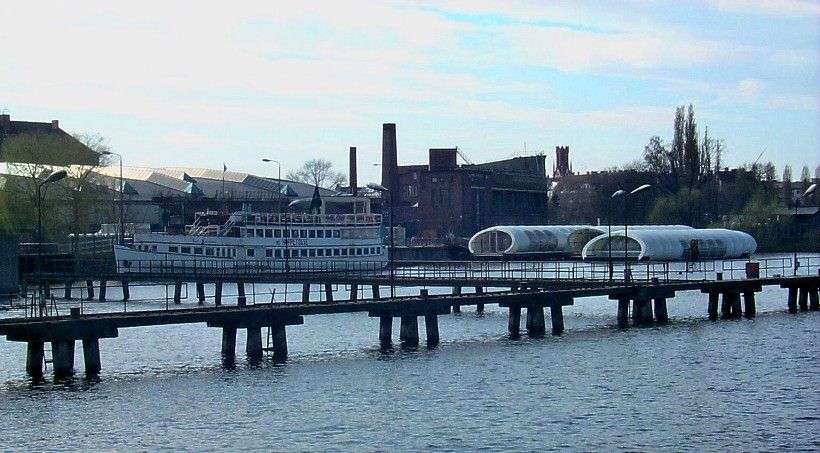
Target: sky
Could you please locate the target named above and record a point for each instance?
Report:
(200, 84)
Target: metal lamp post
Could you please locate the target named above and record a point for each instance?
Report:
(382, 189)
(616, 194)
(53, 177)
(627, 274)
(807, 193)
(121, 235)
(278, 179)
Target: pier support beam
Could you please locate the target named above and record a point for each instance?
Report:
(535, 321)
(126, 291)
(749, 301)
(35, 354)
(241, 300)
(200, 293)
(354, 292)
(67, 292)
(623, 312)
(62, 353)
(253, 347)
(804, 298)
(328, 292)
(735, 307)
(557, 318)
(89, 289)
(514, 324)
(229, 342)
(661, 312)
(456, 292)
(376, 294)
(305, 292)
(409, 331)
(385, 331)
(103, 284)
(792, 300)
(218, 294)
(479, 308)
(714, 298)
(280, 342)
(647, 319)
(177, 292)
(91, 356)
(726, 306)
(431, 325)
(815, 299)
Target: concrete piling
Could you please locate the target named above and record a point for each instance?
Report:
(91, 356)
(67, 292)
(305, 292)
(623, 312)
(218, 294)
(647, 319)
(535, 321)
(229, 342)
(35, 355)
(200, 293)
(89, 289)
(661, 312)
(514, 324)
(241, 299)
(328, 292)
(735, 307)
(803, 300)
(126, 291)
(253, 346)
(62, 352)
(280, 342)
(376, 294)
(103, 285)
(714, 298)
(557, 318)
(456, 292)
(815, 299)
(177, 292)
(792, 299)
(726, 306)
(385, 331)
(409, 331)
(431, 326)
(749, 302)
(354, 292)
(479, 308)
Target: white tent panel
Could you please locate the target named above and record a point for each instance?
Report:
(673, 244)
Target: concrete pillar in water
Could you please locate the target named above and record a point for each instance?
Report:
(804, 298)
(636, 312)
(241, 300)
(103, 284)
(714, 298)
(47, 289)
(354, 292)
(34, 358)
(91, 356)
(305, 292)
(557, 317)
(376, 294)
(535, 321)
(661, 312)
(815, 299)
(177, 292)
(623, 312)
(229, 342)
(409, 330)
(736, 308)
(749, 300)
(385, 331)
(200, 293)
(647, 319)
(253, 347)
(126, 291)
(726, 306)
(479, 308)
(328, 292)
(456, 292)
(89, 288)
(280, 342)
(431, 325)
(67, 293)
(62, 353)
(218, 294)
(514, 324)
(792, 300)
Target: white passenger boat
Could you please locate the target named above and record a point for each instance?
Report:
(261, 242)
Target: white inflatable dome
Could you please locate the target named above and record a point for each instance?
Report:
(672, 244)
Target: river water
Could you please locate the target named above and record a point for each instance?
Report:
(692, 385)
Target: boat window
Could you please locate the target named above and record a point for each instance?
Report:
(278, 253)
(312, 252)
(268, 233)
(320, 234)
(277, 233)
(260, 233)
(209, 251)
(303, 252)
(344, 252)
(352, 251)
(312, 233)
(197, 250)
(173, 249)
(336, 233)
(335, 252)
(320, 252)
(304, 233)
(268, 253)
(249, 233)
(186, 249)
(328, 234)
(286, 233)
(251, 253)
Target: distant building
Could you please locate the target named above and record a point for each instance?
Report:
(562, 166)
(75, 153)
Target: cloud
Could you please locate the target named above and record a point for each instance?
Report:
(769, 7)
(749, 89)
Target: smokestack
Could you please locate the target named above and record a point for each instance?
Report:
(353, 176)
(389, 160)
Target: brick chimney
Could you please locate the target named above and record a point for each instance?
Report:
(353, 176)
(5, 122)
(389, 158)
(55, 124)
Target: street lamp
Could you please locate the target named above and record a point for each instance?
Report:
(807, 193)
(616, 194)
(382, 189)
(627, 275)
(286, 233)
(53, 177)
(278, 179)
(121, 235)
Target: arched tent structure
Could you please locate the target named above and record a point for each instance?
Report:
(672, 244)
(532, 239)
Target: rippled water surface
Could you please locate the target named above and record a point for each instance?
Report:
(734, 385)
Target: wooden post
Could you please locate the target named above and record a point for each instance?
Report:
(103, 284)
(535, 321)
(623, 312)
(792, 300)
(376, 294)
(557, 317)
(636, 312)
(91, 356)
(726, 306)
(714, 298)
(661, 312)
(35, 355)
(736, 308)
(646, 313)
(126, 291)
(354, 292)
(385, 331)
(456, 292)
(229, 342)
(514, 323)
(804, 298)
(749, 300)
(177, 292)
(89, 289)
(200, 292)
(815, 299)
(62, 352)
(305, 292)
(431, 325)
(409, 330)
(328, 292)
(218, 294)
(479, 308)
(253, 347)
(280, 342)
(241, 300)
(68, 287)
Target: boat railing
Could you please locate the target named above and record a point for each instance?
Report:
(362, 219)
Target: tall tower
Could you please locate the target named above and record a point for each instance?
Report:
(562, 166)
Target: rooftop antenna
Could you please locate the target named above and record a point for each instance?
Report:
(463, 156)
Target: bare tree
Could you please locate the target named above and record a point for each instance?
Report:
(318, 172)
